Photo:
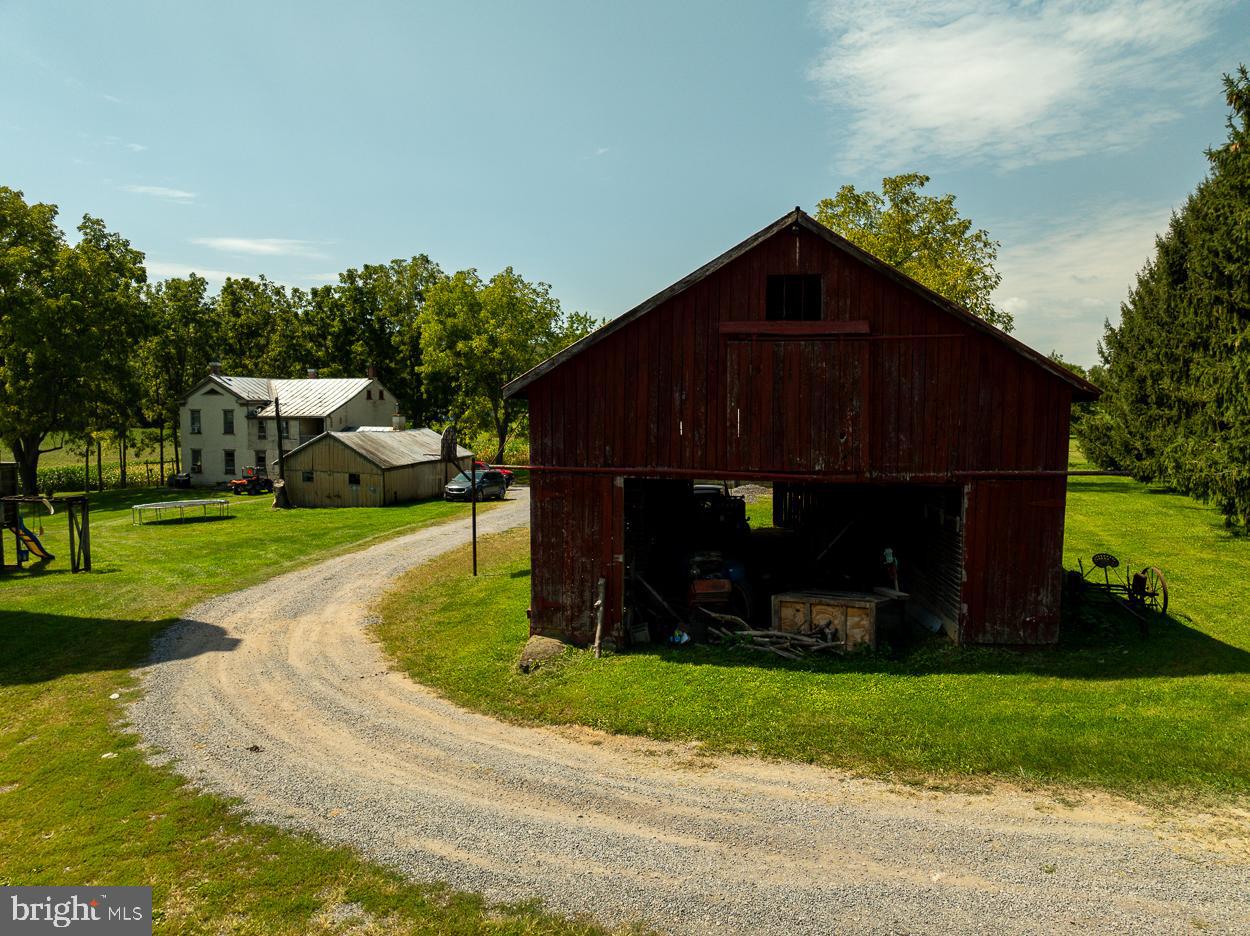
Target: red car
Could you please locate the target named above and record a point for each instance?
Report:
(507, 475)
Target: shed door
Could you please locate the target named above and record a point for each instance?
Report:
(795, 405)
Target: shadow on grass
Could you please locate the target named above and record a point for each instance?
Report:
(1097, 646)
(43, 569)
(180, 521)
(42, 647)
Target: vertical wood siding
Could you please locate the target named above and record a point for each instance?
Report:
(921, 395)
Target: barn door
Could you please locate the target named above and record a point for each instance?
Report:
(795, 405)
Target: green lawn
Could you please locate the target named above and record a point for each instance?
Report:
(70, 815)
(1160, 717)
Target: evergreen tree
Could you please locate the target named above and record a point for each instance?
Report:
(1176, 370)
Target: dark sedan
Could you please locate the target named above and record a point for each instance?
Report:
(491, 485)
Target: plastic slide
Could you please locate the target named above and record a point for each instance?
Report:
(31, 542)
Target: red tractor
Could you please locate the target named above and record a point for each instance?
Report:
(254, 481)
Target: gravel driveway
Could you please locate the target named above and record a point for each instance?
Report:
(275, 695)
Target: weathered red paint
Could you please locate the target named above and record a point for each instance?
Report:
(891, 388)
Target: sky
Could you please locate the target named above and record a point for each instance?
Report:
(610, 149)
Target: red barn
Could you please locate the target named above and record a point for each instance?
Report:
(884, 416)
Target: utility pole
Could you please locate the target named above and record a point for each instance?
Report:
(277, 419)
(280, 498)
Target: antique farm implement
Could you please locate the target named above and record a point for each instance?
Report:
(1144, 591)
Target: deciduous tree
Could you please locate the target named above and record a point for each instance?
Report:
(182, 339)
(371, 317)
(923, 236)
(69, 322)
(477, 336)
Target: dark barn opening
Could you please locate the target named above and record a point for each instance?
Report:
(688, 546)
(911, 447)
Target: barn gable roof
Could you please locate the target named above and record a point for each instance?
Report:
(1083, 389)
(393, 449)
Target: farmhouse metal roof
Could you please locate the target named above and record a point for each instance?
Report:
(254, 389)
(313, 398)
(1084, 389)
(393, 449)
(306, 397)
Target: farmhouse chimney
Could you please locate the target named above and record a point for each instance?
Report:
(214, 368)
(399, 422)
(371, 372)
(312, 373)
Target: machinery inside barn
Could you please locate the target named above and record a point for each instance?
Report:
(917, 458)
(830, 550)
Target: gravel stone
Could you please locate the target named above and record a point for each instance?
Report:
(277, 696)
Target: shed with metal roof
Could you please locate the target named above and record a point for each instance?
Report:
(369, 468)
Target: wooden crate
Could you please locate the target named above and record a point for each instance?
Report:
(852, 616)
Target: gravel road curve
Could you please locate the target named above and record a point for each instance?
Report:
(626, 829)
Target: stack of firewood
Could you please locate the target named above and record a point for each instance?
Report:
(790, 646)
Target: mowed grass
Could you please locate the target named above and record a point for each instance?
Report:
(1159, 717)
(70, 815)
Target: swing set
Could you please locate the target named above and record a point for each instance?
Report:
(28, 546)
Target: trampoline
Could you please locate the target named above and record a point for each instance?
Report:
(162, 510)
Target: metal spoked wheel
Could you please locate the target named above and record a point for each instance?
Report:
(1155, 594)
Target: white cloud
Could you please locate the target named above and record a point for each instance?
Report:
(1016, 84)
(135, 147)
(602, 150)
(160, 191)
(159, 269)
(111, 99)
(1062, 286)
(261, 246)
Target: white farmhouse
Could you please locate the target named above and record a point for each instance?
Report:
(227, 423)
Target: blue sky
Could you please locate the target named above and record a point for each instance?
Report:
(609, 149)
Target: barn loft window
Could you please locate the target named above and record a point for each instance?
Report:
(793, 297)
(381, 394)
(353, 479)
(368, 394)
(308, 476)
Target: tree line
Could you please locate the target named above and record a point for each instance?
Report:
(88, 345)
(1175, 372)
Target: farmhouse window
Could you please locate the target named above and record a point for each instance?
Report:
(286, 429)
(227, 456)
(793, 297)
(195, 422)
(353, 479)
(262, 458)
(262, 429)
(381, 394)
(197, 461)
(368, 394)
(227, 422)
(308, 476)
